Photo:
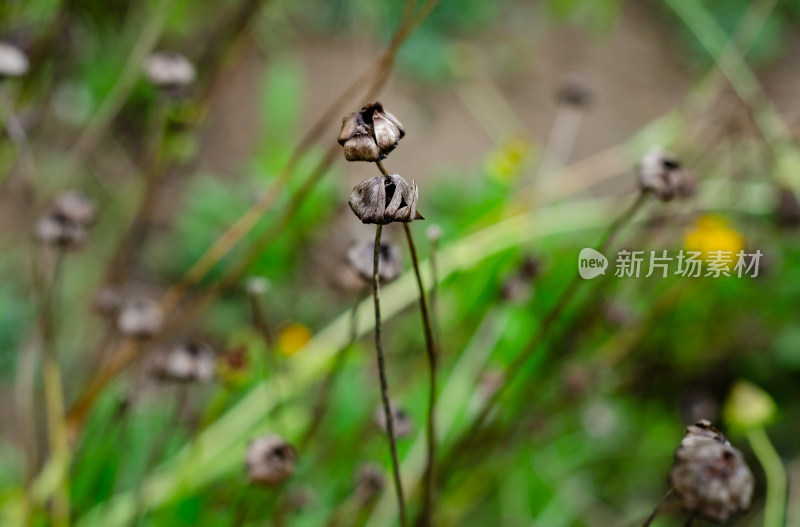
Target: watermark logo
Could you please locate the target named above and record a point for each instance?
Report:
(591, 263)
(687, 264)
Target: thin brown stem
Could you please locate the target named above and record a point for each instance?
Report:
(387, 409)
(653, 514)
(430, 345)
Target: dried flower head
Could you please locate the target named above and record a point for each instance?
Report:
(257, 286)
(57, 230)
(403, 425)
(434, 233)
(575, 91)
(169, 70)
(13, 62)
(369, 481)
(76, 206)
(270, 460)
(709, 475)
(385, 199)
(659, 172)
(188, 362)
(370, 134)
(140, 319)
(107, 301)
(361, 258)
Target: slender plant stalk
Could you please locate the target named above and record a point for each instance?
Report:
(430, 346)
(775, 509)
(653, 514)
(387, 409)
(54, 400)
(434, 248)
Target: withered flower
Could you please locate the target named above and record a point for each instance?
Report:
(369, 481)
(659, 172)
(270, 460)
(361, 258)
(76, 206)
(370, 134)
(188, 362)
(710, 476)
(403, 425)
(385, 199)
(140, 319)
(56, 229)
(169, 70)
(13, 62)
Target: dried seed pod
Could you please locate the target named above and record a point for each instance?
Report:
(361, 258)
(660, 173)
(710, 476)
(13, 62)
(57, 230)
(140, 319)
(385, 199)
(369, 481)
(575, 91)
(188, 362)
(76, 206)
(270, 460)
(169, 70)
(370, 134)
(403, 425)
(107, 301)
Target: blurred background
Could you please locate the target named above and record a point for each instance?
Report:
(205, 298)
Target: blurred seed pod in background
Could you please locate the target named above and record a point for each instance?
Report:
(660, 172)
(140, 319)
(13, 62)
(361, 258)
(169, 70)
(270, 460)
(187, 362)
(403, 425)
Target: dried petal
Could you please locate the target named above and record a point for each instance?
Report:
(395, 122)
(386, 133)
(270, 460)
(361, 148)
(361, 258)
(352, 125)
(368, 200)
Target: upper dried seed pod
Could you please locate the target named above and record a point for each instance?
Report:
(13, 62)
(370, 134)
(169, 70)
(660, 172)
(385, 199)
(361, 258)
(270, 460)
(140, 319)
(403, 425)
(187, 362)
(709, 475)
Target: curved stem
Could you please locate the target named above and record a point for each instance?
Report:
(387, 410)
(775, 508)
(653, 514)
(427, 511)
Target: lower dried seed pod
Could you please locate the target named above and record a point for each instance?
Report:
(710, 476)
(270, 460)
(361, 258)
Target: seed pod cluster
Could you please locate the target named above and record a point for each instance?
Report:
(660, 172)
(709, 475)
(370, 134)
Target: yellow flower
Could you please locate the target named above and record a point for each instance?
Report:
(292, 338)
(506, 162)
(712, 233)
